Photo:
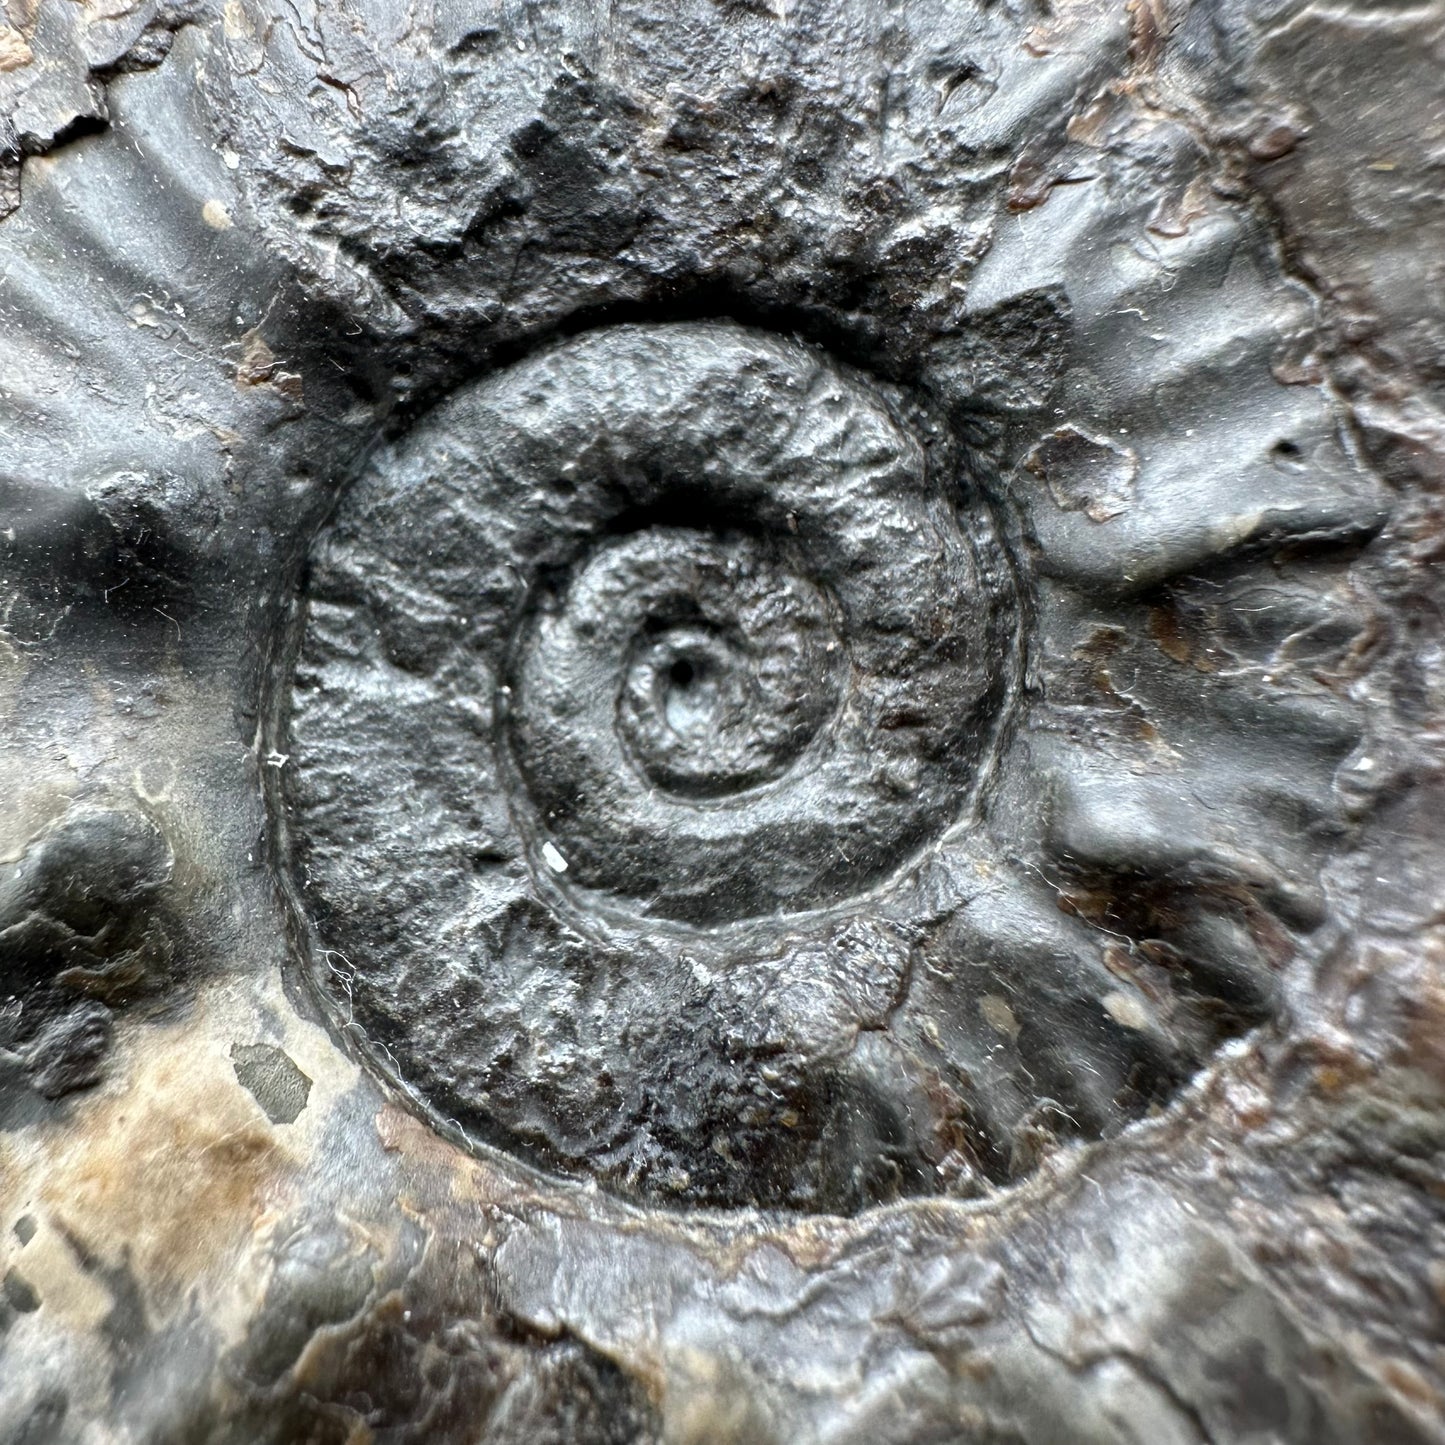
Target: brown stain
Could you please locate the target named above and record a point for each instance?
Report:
(1168, 634)
(1404, 1377)
(1093, 682)
(1335, 1069)
(1101, 644)
(1149, 28)
(1424, 1032)
(400, 1132)
(1177, 210)
(442, 1177)
(1096, 123)
(258, 362)
(1034, 175)
(172, 1172)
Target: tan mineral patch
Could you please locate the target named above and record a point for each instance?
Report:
(236, 22)
(23, 15)
(169, 1166)
(100, 12)
(67, 1292)
(258, 362)
(14, 52)
(998, 1015)
(1125, 1009)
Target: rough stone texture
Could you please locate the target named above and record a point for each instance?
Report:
(1098, 1099)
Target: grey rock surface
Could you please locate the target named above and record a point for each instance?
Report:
(721, 722)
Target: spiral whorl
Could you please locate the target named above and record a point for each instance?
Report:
(752, 656)
(664, 625)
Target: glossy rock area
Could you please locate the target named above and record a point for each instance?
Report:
(1099, 1101)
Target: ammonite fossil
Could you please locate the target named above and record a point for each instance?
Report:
(648, 707)
(701, 646)
(719, 724)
